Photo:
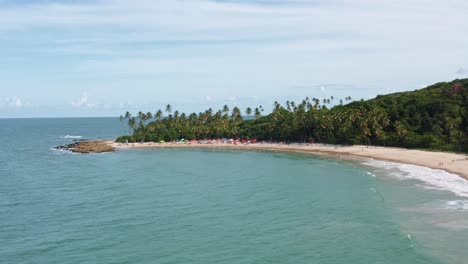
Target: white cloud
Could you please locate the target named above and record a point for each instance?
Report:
(141, 20)
(83, 101)
(13, 102)
(200, 47)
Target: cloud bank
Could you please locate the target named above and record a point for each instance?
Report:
(174, 51)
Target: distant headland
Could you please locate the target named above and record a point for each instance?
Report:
(432, 118)
(387, 127)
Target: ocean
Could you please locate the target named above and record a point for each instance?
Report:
(216, 206)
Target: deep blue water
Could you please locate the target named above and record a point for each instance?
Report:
(202, 206)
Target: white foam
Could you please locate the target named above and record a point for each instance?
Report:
(457, 204)
(63, 151)
(434, 179)
(68, 136)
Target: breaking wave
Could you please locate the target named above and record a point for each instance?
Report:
(433, 178)
(68, 136)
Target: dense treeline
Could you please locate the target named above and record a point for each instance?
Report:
(435, 117)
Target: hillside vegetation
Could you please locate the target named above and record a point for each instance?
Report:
(435, 117)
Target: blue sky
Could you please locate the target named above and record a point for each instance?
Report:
(104, 57)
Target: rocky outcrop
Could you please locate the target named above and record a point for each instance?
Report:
(88, 147)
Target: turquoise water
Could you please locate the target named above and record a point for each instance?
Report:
(202, 206)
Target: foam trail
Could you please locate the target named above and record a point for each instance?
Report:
(68, 136)
(435, 179)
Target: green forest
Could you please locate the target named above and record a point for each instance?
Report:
(435, 117)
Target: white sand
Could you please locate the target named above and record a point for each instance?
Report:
(454, 163)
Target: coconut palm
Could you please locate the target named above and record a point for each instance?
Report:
(248, 111)
(158, 115)
(257, 113)
(168, 109)
(225, 109)
(378, 122)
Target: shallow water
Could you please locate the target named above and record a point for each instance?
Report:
(212, 206)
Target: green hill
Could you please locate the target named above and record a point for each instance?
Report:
(435, 117)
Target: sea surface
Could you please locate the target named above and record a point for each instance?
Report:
(213, 206)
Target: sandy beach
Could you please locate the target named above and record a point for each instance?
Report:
(454, 163)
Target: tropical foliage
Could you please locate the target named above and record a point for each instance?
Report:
(435, 117)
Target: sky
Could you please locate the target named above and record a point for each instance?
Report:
(76, 58)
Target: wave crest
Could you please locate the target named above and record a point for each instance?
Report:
(433, 178)
(69, 136)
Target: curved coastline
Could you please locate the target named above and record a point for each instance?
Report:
(450, 162)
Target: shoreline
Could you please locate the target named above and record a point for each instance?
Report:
(450, 162)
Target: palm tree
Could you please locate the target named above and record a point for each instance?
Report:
(248, 111)
(293, 106)
(288, 105)
(168, 108)
(364, 122)
(379, 121)
(158, 115)
(236, 113)
(132, 123)
(225, 109)
(401, 131)
(365, 131)
(257, 113)
(149, 115)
